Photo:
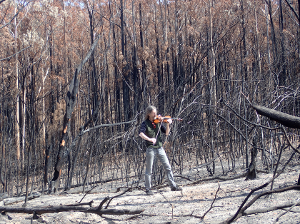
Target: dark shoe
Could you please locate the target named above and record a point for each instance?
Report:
(149, 192)
(176, 189)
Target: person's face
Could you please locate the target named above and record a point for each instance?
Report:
(152, 115)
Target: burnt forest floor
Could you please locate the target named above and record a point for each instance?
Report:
(215, 199)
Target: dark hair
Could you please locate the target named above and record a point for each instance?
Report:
(149, 109)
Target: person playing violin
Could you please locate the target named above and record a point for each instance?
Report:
(150, 130)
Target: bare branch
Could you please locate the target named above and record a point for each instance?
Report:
(19, 10)
(293, 10)
(249, 122)
(290, 206)
(56, 209)
(283, 118)
(287, 138)
(129, 189)
(211, 205)
(107, 125)
(82, 203)
(3, 59)
(242, 208)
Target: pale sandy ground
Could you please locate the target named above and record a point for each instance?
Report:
(166, 206)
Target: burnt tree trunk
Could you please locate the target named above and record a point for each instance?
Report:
(251, 172)
(70, 104)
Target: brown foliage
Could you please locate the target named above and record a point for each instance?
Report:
(163, 56)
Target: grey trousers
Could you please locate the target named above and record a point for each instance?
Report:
(161, 154)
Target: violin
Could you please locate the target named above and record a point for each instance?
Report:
(159, 119)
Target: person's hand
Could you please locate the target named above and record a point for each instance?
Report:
(153, 140)
(169, 121)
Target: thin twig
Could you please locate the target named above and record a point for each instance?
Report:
(211, 205)
(169, 203)
(287, 138)
(242, 209)
(296, 204)
(129, 189)
(246, 98)
(7, 58)
(249, 122)
(107, 125)
(88, 192)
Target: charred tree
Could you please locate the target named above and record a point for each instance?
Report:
(251, 172)
(70, 104)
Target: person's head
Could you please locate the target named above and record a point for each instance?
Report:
(150, 113)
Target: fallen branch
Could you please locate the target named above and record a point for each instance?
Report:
(242, 209)
(56, 209)
(236, 215)
(82, 203)
(264, 210)
(283, 118)
(211, 205)
(218, 178)
(183, 177)
(8, 201)
(88, 193)
(172, 206)
(110, 199)
(102, 202)
(288, 210)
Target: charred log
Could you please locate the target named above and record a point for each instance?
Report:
(283, 118)
(56, 209)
